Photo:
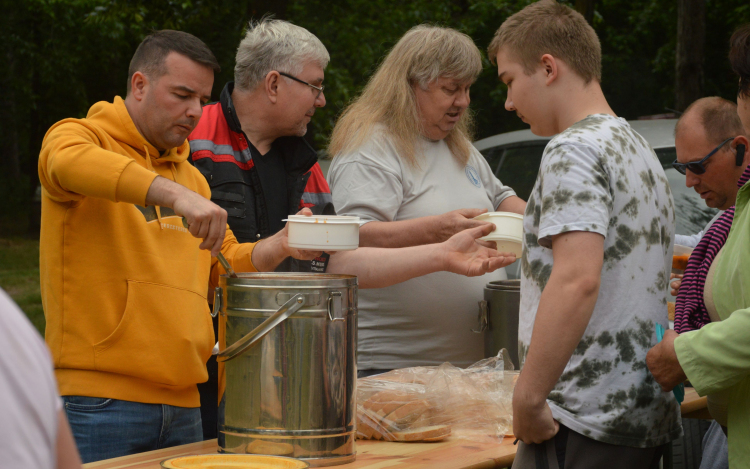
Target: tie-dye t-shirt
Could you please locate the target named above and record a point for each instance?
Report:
(600, 176)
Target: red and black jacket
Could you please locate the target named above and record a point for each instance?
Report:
(222, 153)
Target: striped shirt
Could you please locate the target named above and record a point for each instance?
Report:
(690, 310)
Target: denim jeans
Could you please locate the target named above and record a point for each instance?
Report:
(109, 428)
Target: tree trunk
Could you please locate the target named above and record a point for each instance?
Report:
(691, 38)
(586, 8)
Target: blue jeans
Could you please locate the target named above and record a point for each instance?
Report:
(109, 428)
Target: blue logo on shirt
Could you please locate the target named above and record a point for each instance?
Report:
(473, 175)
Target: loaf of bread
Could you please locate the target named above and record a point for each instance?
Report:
(432, 433)
(434, 403)
(397, 416)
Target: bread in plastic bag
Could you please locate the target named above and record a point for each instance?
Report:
(430, 403)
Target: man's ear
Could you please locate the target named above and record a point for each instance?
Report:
(138, 85)
(549, 64)
(272, 85)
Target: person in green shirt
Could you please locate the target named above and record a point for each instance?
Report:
(716, 358)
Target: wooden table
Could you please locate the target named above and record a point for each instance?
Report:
(694, 406)
(449, 454)
(370, 455)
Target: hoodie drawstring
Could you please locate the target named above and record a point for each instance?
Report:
(174, 173)
(150, 167)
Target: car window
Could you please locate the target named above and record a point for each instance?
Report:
(494, 156)
(517, 166)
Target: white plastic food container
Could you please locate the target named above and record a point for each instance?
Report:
(323, 232)
(508, 234)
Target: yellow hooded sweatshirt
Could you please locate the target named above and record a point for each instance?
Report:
(123, 285)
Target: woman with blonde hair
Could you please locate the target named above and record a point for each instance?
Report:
(404, 163)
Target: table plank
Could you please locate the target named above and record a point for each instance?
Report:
(694, 406)
(452, 453)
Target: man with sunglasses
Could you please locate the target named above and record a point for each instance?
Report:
(711, 150)
(712, 164)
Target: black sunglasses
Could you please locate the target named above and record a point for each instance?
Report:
(696, 167)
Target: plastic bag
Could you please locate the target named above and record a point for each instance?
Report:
(430, 403)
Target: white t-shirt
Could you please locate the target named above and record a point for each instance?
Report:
(425, 320)
(601, 176)
(29, 402)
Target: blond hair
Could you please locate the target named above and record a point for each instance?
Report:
(547, 27)
(424, 54)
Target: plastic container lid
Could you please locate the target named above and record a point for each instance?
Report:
(332, 219)
(487, 215)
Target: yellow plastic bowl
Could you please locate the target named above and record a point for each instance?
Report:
(233, 461)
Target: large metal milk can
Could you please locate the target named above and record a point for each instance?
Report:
(289, 344)
(498, 318)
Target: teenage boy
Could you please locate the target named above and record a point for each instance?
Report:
(597, 254)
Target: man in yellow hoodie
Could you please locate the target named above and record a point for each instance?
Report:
(124, 283)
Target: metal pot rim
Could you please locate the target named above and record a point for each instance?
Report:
(503, 285)
(289, 279)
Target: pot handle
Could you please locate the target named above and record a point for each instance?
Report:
(218, 298)
(334, 307)
(253, 337)
(483, 317)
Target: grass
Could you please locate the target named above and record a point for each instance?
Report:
(19, 276)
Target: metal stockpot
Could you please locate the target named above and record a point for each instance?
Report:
(290, 366)
(498, 318)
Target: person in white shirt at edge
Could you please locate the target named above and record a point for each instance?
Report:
(598, 232)
(404, 163)
(35, 432)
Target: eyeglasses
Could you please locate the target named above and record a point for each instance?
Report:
(318, 88)
(696, 167)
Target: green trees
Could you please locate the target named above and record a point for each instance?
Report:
(60, 56)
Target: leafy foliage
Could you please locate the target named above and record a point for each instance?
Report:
(62, 56)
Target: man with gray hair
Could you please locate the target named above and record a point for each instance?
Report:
(249, 146)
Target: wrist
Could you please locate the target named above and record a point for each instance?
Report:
(268, 253)
(162, 192)
(439, 255)
(172, 193)
(437, 230)
(529, 395)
